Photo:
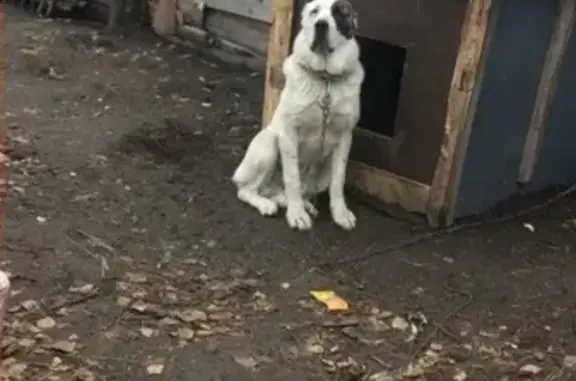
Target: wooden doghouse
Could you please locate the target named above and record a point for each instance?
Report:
(460, 100)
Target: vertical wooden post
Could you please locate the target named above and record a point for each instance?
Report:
(279, 41)
(460, 108)
(547, 88)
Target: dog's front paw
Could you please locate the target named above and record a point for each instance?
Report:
(298, 218)
(343, 217)
(267, 207)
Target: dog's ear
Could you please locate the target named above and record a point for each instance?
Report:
(345, 17)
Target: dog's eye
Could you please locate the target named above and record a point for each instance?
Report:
(314, 11)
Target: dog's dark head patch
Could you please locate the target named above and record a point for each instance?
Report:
(344, 17)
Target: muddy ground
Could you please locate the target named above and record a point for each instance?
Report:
(132, 259)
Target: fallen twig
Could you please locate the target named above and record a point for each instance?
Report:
(74, 302)
(440, 327)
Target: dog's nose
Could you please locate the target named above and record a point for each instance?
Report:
(321, 26)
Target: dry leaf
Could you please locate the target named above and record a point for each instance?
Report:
(400, 323)
(16, 370)
(147, 331)
(155, 368)
(247, 362)
(332, 301)
(185, 333)
(84, 374)
(168, 321)
(460, 376)
(84, 289)
(123, 301)
(139, 306)
(529, 227)
(570, 361)
(221, 316)
(136, 277)
(381, 376)
(46, 323)
(64, 346)
(529, 370)
(192, 315)
(30, 305)
(26, 342)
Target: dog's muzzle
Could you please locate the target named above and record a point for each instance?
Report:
(320, 43)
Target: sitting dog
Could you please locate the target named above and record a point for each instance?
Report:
(304, 150)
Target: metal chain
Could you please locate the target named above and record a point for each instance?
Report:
(325, 104)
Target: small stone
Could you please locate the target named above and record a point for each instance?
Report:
(46, 323)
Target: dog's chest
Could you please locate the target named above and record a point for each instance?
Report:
(321, 126)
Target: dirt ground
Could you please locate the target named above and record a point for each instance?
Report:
(132, 259)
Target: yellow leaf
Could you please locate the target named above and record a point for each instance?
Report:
(332, 301)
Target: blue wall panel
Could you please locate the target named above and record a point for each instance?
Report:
(512, 72)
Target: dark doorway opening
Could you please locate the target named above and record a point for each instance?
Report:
(384, 66)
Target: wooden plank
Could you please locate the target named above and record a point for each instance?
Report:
(443, 192)
(192, 12)
(547, 88)
(253, 9)
(388, 187)
(279, 41)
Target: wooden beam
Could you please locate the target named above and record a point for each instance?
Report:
(279, 41)
(547, 88)
(387, 187)
(461, 104)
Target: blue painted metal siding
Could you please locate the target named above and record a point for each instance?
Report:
(513, 66)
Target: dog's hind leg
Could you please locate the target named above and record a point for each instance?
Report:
(255, 170)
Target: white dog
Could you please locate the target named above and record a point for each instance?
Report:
(304, 151)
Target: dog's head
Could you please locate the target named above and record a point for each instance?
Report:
(328, 24)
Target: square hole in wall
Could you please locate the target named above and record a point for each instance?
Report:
(384, 66)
